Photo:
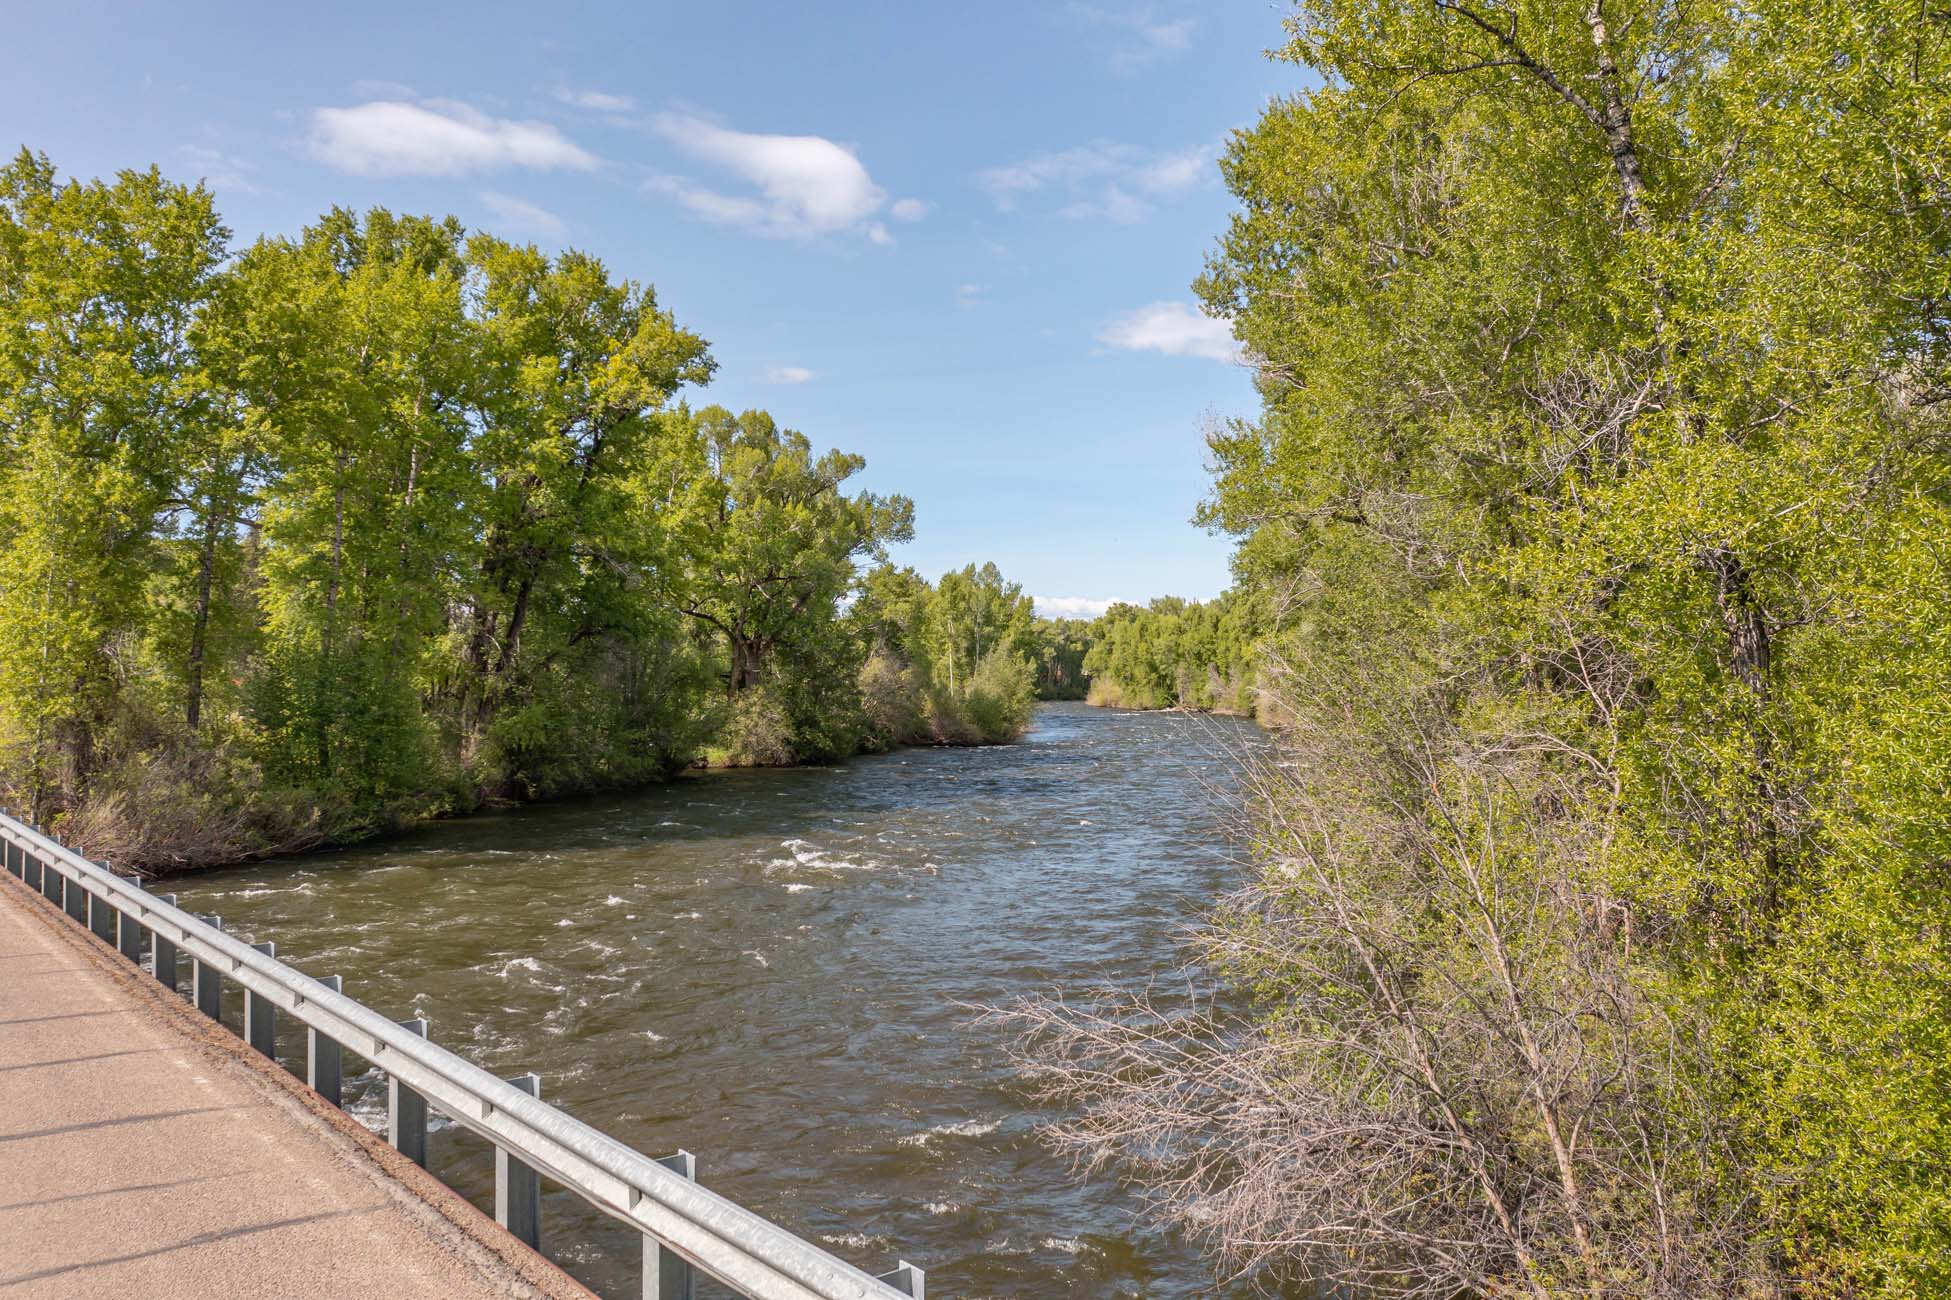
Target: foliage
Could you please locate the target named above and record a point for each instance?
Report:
(949, 663)
(1061, 647)
(1603, 356)
(390, 519)
(1175, 654)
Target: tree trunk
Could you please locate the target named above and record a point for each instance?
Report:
(328, 641)
(745, 664)
(200, 624)
(1616, 122)
(516, 618)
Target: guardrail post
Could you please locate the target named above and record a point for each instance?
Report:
(74, 898)
(101, 918)
(908, 1280)
(49, 880)
(162, 954)
(518, 1189)
(323, 1063)
(101, 914)
(668, 1275)
(406, 1110)
(206, 986)
(128, 934)
(14, 864)
(261, 1015)
(32, 872)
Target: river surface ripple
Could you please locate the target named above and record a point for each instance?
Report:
(774, 970)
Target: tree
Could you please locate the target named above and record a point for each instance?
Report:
(1603, 361)
(977, 613)
(763, 541)
(100, 404)
(354, 359)
(574, 369)
(572, 372)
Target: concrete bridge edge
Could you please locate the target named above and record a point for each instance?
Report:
(506, 1265)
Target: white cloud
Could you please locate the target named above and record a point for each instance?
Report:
(970, 295)
(807, 185)
(1172, 172)
(1148, 37)
(523, 215)
(1070, 606)
(788, 375)
(1105, 178)
(909, 209)
(436, 137)
(1176, 329)
(595, 100)
(1115, 204)
(220, 170)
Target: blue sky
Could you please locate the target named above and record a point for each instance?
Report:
(956, 239)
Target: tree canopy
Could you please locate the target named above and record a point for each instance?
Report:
(392, 518)
(1595, 504)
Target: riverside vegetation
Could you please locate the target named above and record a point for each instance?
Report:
(310, 538)
(1591, 551)
(1595, 938)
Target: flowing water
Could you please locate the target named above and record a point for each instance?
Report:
(775, 970)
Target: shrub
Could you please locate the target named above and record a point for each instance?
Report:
(891, 699)
(758, 731)
(1000, 696)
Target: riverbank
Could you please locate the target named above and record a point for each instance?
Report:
(1120, 701)
(184, 818)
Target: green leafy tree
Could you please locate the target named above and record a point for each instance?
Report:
(1062, 645)
(101, 405)
(1603, 357)
(571, 372)
(356, 365)
(763, 541)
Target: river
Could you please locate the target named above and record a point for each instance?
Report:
(775, 969)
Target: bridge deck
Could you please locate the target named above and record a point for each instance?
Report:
(145, 1153)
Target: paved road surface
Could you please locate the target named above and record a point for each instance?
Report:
(143, 1154)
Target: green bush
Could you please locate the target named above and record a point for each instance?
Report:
(758, 731)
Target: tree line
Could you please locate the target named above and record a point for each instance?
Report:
(390, 518)
(1177, 654)
(1595, 937)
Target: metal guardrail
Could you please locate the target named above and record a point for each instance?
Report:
(685, 1227)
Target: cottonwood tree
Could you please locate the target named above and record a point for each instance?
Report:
(1603, 353)
(100, 401)
(977, 613)
(354, 360)
(762, 540)
(572, 368)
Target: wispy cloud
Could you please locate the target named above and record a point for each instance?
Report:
(523, 215)
(804, 185)
(1105, 178)
(788, 375)
(220, 170)
(1145, 37)
(1176, 329)
(1071, 606)
(970, 295)
(909, 209)
(596, 101)
(436, 137)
